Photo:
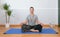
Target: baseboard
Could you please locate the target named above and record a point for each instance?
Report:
(19, 25)
(2, 25)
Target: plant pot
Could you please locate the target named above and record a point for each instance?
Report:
(7, 25)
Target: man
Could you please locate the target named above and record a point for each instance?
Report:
(32, 23)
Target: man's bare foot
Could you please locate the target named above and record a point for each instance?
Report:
(34, 30)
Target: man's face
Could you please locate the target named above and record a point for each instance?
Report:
(31, 10)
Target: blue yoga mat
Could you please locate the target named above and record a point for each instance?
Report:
(18, 31)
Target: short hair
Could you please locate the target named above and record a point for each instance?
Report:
(31, 7)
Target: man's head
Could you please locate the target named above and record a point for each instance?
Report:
(32, 10)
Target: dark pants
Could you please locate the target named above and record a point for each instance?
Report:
(26, 28)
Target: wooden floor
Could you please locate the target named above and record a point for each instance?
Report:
(3, 29)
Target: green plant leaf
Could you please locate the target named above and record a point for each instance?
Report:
(9, 12)
(6, 7)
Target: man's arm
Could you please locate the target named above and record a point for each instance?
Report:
(24, 22)
(38, 22)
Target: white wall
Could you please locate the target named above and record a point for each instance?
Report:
(46, 10)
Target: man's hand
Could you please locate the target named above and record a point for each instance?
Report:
(38, 22)
(24, 22)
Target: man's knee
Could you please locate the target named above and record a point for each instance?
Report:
(39, 25)
(25, 28)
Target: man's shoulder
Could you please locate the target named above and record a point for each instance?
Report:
(28, 16)
(35, 15)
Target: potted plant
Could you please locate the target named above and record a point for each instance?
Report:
(8, 14)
